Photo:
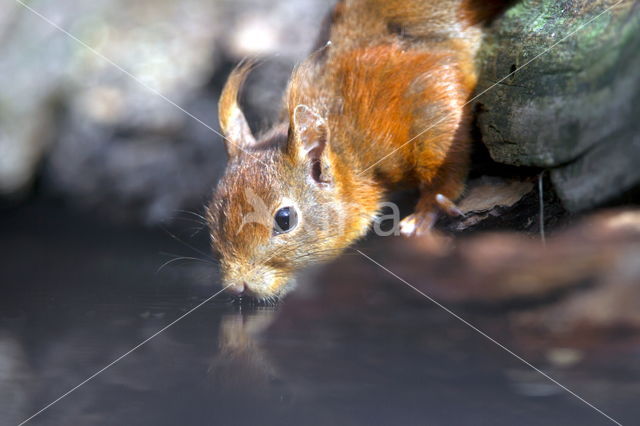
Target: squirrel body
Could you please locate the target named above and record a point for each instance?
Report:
(380, 105)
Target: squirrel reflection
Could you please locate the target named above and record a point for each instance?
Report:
(241, 364)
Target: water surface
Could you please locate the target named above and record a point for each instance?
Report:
(345, 349)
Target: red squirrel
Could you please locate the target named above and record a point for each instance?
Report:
(381, 105)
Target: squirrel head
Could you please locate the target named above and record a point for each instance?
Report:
(284, 202)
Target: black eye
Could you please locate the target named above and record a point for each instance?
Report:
(285, 220)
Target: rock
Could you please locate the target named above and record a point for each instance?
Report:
(486, 193)
(123, 149)
(605, 172)
(501, 203)
(489, 196)
(569, 106)
(137, 173)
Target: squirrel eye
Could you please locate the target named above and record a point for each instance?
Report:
(285, 220)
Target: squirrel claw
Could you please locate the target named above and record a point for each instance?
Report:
(448, 206)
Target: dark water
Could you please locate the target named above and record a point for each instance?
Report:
(346, 349)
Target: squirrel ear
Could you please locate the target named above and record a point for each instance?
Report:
(234, 125)
(310, 136)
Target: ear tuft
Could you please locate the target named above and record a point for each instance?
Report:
(238, 136)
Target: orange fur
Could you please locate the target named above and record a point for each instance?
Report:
(382, 106)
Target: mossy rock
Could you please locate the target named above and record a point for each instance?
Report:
(571, 104)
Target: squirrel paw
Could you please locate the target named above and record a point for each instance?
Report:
(421, 222)
(448, 206)
(420, 228)
(417, 224)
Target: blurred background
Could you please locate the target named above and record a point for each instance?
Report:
(99, 132)
(108, 155)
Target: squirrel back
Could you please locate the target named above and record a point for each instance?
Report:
(360, 22)
(386, 71)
